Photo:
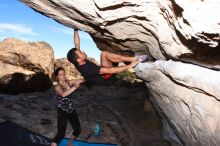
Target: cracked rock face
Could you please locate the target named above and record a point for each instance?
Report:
(187, 96)
(185, 89)
(173, 29)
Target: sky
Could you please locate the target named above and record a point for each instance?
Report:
(19, 21)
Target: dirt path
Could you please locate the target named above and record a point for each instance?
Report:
(118, 109)
(122, 110)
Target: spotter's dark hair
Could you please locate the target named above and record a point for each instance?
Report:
(55, 73)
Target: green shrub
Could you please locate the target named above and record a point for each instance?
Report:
(127, 76)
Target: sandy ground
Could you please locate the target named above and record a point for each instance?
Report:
(120, 111)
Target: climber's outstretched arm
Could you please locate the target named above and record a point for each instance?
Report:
(76, 39)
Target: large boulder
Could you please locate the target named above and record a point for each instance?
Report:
(187, 97)
(174, 29)
(186, 32)
(25, 67)
(70, 70)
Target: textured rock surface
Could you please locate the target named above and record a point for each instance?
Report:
(188, 98)
(186, 95)
(166, 29)
(25, 66)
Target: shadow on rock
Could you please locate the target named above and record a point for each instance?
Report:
(21, 83)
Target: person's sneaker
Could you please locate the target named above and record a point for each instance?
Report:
(142, 58)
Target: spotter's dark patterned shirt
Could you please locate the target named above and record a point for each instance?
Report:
(65, 103)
